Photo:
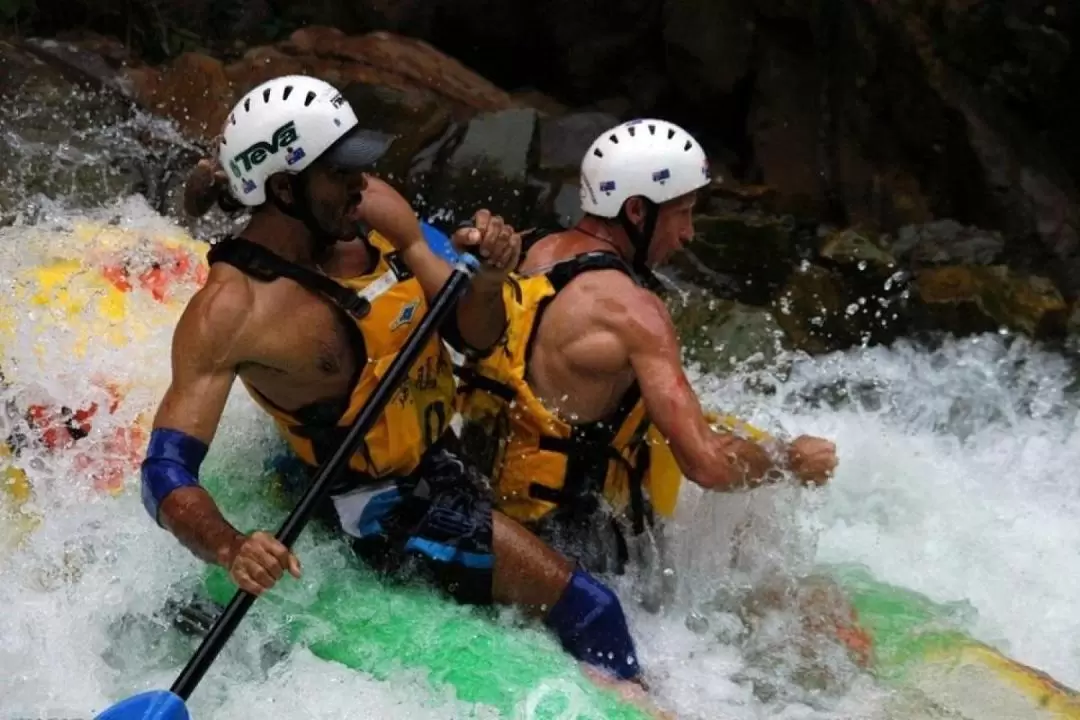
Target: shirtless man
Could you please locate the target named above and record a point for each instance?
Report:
(559, 413)
(309, 350)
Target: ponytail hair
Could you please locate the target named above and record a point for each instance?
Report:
(206, 185)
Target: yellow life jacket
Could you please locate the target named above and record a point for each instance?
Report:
(536, 460)
(382, 307)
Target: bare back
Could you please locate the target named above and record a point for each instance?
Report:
(578, 368)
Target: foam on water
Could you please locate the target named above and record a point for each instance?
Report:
(956, 479)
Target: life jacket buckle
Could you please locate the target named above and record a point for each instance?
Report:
(356, 305)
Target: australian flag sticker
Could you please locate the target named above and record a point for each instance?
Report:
(608, 186)
(293, 155)
(248, 185)
(661, 175)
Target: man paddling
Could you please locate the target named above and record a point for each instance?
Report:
(562, 413)
(309, 349)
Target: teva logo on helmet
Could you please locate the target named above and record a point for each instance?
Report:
(258, 152)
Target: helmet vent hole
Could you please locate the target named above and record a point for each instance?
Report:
(652, 129)
(615, 138)
(631, 130)
(266, 95)
(308, 100)
(288, 91)
(247, 104)
(670, 133)
(688, 145)
(597, 153)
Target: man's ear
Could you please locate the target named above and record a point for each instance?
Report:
(279, 186)
(635, 210)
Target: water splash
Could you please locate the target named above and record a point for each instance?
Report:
(955, 480)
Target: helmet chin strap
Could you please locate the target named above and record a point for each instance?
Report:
(300, 209)
(641, 238)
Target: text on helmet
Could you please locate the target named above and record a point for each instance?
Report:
(258, 152)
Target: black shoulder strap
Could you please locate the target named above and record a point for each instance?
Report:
(262, 264)
(562, 273)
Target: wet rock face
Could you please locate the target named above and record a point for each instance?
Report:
(879, 167)
(70, 135)
(490, 166)
(881, 114)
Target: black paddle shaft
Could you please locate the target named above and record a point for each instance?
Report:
(443, 303)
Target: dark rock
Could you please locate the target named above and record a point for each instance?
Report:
(858, 248)
(723, 335)
(1005, 174)
(197, 91)
(754, 252)
(564, 140)
(965, 299)
(566, 205)
(194, 90)
(416, 62)
(709, 44)
(416, 119)
(544, 103)
(814, 311)
(784, 128)
(876, 288)
(84, 65)
(947, 242)
(489, 168)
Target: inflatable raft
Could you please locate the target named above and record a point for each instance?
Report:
(100, 289)
(91, 293)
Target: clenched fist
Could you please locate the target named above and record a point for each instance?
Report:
(256, 562)
(493, 241)
(812, 459)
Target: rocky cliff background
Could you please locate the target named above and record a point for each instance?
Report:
(884, 167)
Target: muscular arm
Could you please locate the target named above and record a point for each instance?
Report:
(205, 353)
(481, 315)
(713, 460)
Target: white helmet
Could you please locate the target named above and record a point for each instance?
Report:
(652, 158)
(284, 125)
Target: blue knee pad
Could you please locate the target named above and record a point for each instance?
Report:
(592, 627)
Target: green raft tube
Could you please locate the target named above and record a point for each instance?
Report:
(343, 613)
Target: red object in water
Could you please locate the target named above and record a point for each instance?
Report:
(118, 454)
(172, 265)
(60, 429)
(117, 275)
(857, 640)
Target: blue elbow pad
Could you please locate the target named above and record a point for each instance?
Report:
(172, 461)
(592, 627)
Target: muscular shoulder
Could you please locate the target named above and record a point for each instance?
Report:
(622, 307)
(219, 322)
